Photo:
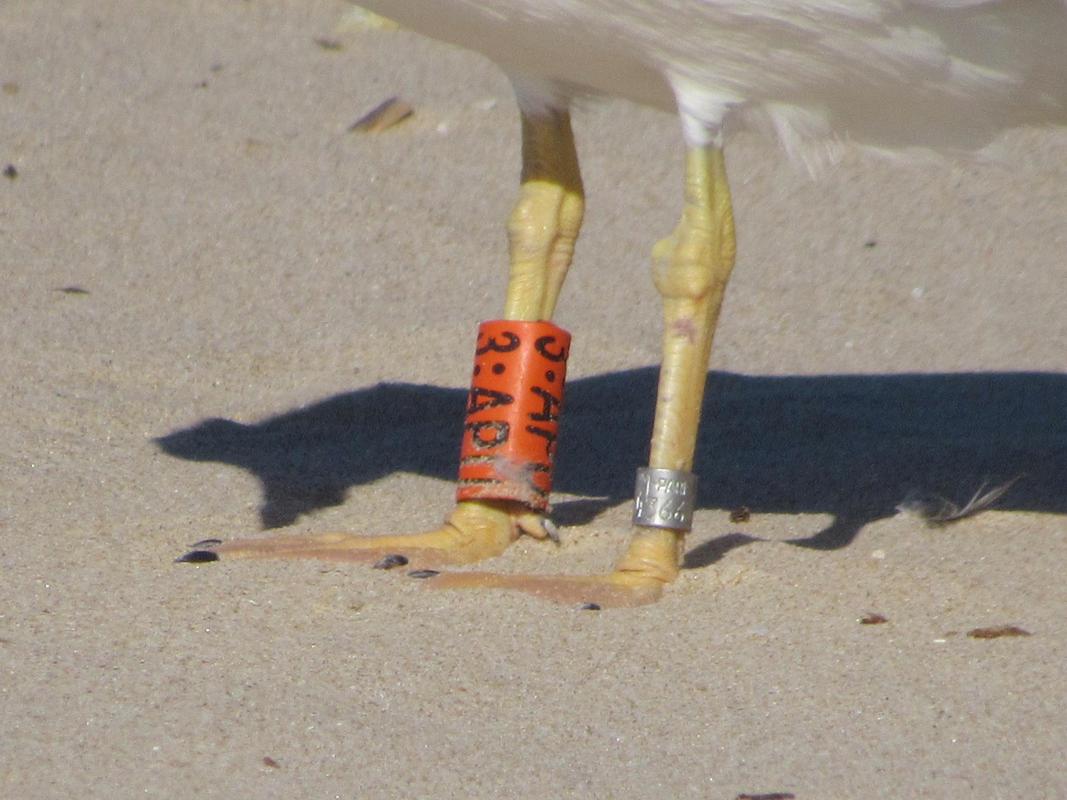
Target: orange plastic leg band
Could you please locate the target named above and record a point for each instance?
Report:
(509, 439)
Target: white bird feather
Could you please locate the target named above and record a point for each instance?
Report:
(893, 76)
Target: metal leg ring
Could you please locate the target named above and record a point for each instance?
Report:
(665, 498)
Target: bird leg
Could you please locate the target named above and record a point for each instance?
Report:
(545, 221)
(691, 269)
(542, 231)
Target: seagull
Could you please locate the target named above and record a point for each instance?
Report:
(898, 78)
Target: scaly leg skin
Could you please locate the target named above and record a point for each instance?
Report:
(691, 269)
(542, 231)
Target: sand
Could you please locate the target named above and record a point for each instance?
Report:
(224, 312)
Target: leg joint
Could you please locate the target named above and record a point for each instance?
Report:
(688, 266)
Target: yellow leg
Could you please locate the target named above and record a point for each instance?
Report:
(542, 230)
(545, 222)
(691, 269)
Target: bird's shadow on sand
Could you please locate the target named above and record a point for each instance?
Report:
(851, 446)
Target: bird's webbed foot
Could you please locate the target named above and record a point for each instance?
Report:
(475, 530)
(648, 565)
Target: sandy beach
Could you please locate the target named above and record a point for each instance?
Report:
(226, 314)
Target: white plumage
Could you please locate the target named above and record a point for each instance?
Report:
(890, 75)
